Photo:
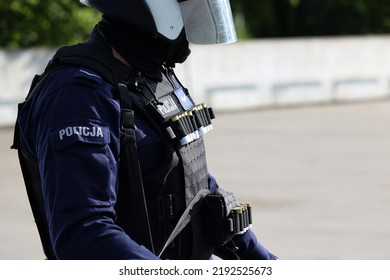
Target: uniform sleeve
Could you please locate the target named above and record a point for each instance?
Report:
(249, 248)
(76, 135)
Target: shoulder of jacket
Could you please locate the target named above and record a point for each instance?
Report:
(86, 75)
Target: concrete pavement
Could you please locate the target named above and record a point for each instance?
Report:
(318, 179)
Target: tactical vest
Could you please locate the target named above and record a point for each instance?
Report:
(177, 185)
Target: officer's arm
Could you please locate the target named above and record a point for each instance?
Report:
(77, 143)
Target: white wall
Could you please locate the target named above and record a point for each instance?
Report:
(249, 74)
(17, 70)
(266, 73)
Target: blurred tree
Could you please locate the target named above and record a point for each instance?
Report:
(26, 23)
(284, 18)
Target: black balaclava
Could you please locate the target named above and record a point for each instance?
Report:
(143, 51)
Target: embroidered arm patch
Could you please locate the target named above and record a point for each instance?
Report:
(91, 132)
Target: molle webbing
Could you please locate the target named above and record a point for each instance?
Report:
(183, 128)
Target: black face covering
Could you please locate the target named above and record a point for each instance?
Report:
(143, 51)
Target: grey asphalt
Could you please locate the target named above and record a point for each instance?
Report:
(318, 179)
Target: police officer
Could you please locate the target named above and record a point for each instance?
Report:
(72, 141)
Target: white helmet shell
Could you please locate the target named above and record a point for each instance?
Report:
(167, 16)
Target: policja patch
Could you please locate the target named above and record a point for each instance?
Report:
(92, 132)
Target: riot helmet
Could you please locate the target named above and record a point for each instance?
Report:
(204, 21)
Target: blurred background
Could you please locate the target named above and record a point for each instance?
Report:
(302, 128)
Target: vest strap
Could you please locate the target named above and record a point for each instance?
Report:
(134, 170)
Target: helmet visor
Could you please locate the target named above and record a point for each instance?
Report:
(208, 21)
